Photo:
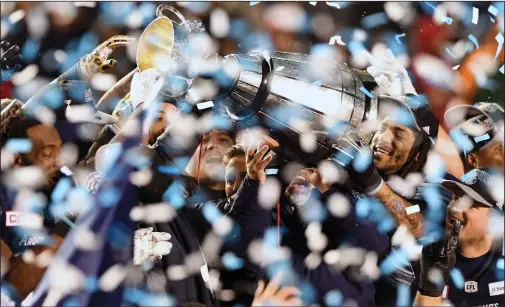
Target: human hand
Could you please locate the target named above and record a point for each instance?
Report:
(354, 155)
(256, 162)
(149, 245)
(98, 60)
(10, 58)
(274, 295)
(256, 136)
(145, 86)
(391, 76)
(319, 182)
(439, 256)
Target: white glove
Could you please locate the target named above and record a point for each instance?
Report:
(391, 76)
(149, 245)
(145, 86)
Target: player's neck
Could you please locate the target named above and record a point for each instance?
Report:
(475, 248)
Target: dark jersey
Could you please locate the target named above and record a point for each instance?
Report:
(482, 284)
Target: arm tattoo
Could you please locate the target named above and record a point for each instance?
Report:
(397, 206)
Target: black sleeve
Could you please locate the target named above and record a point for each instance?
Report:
(106, 135)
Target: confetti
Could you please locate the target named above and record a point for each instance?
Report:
(337, 39)
(252, 3)
(492, 10)
(313, 3)
(403, 295)
(205, 105)
(19, 145)
(364, 90)
(271, 171)
(475, 15)
(374, 20)
(473, 40)
(16, 16)
(231, 261)
(457, 278)
(456, 67)
(413, 209)
(398, 36)
(447, 20)
(333, 4)
(499, 39)
(450, 53)
(339, 205)
(502, 69)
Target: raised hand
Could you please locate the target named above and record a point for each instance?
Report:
(256, 162)
(98, 60)
(275, 295)
(391, 76)
(10, 58)
(439, 256)
(150, 246)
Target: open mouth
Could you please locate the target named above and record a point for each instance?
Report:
(299, 184)
(214, 159)
(381, 151)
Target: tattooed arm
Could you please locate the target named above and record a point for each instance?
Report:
(397, 206)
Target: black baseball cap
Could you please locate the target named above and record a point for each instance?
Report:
(488, 116)
(477, 184)
(412, 111)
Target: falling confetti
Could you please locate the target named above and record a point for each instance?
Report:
(337, 39)
(456, 67)
(253, 3)
(473, 40)
(398, 36)
(475, 15)
(501, 69)
(499, 39)
(492, 10)
(374, 20)
(364, 90)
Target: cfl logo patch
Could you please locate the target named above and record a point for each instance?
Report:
(23, 219)
(471, 287)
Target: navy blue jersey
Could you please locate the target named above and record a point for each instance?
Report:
(483, 281)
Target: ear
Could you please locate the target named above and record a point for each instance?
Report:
(472, 160)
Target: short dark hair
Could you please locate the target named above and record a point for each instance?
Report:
(421, 148)
(232, 152)
(14, 124)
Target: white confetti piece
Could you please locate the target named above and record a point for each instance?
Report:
(64, 277)
(102, 82)
(17, 16)
(87, 240)
(456, 67)
(162, 212)
(401, 186)
(312, 261)
(205, 105)
(26, 176)
(177, 272)
(25, 75)
(338, 205)
(499, 39)
(308, 142)
(333, 4)
(502, 69)
(44, 259)
(219, 23)
(369, 267)
(271, 171)
(269, 193)
(253, 3)
(492, 10)
(412, 209)
(332, 257)
(313, 3)
(337, 39)
(85, 4)
(28, 256)
(141, 178)
(111, 279)
(475, 15)
(280, 68)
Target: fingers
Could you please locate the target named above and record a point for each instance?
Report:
(272, 288)
(452, 241)
(265, 161)
(143, 231)
(161, 236)
(162, 248)
(286, 292)
(259, 155)
(261, 287)
(108, 65)
(119, 41)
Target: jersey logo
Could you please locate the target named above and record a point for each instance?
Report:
(496, 288)
(471, 286)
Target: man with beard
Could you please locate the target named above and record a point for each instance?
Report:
(481, 127)
(44, 153)
(477, 211)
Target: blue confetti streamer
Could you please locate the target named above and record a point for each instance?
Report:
(450, 53)
(211, 212)
(72, 302)
(396, 259)
(461, 140)
(364, 90)
(109, 196)
(492, 19)
(481, 138)
(500, 264)
(428, 8)
(403, 295)
(333, 298)
(362, 161)
(16, 145)
(356, 47)
(363, 207)
(253, 3)
(473, 40)
(492, 10)
(457, 278)
(91, 283)
(271, 171)
(30, 50)
(232, 262)
(119, 236)
(169, 169)
(447, 20)
(61, 190)
(398, 36)
(374, 20)
(174, 195)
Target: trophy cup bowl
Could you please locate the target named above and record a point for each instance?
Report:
(155, 44)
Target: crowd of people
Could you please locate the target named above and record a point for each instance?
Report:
(164, 202)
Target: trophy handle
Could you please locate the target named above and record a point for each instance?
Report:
(163, 7)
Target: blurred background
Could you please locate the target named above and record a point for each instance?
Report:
(453, 50)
